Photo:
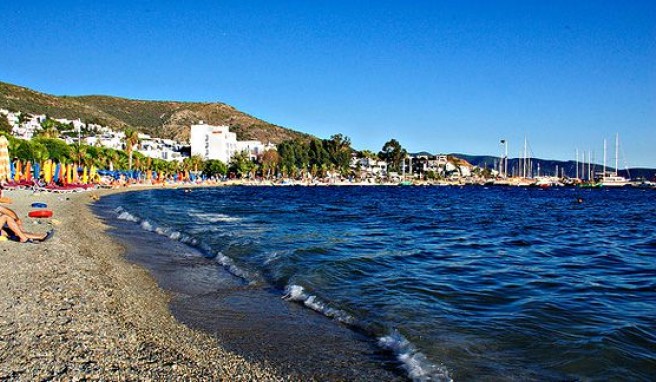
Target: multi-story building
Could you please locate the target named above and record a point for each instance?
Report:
(217, 142)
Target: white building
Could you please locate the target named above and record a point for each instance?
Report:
(213, 142)
(253, 148)
(217, 142)
(166, 149)
(371, 166)
(112, 140)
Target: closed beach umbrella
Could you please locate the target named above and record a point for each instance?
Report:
(92, 173)
(18, 171)
(28, 171)
(85, 176)
(47, 171)
(62, 173)
(5, 169)
(76, 175)
(56, 173)
(69, 173)
(37, 170)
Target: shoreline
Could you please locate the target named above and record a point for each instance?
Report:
(302, 343)
(74, 307)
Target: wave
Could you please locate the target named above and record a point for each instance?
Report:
(230, 266)
(415, 363)
(226, 262)
(215, 217)
(418, 368)
(297, 293)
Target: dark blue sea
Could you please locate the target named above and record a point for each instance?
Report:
(425, 283)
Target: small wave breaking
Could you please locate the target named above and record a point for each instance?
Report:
(225, 261)
(415, 363)
(297, 293)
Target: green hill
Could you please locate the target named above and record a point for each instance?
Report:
(166, 119)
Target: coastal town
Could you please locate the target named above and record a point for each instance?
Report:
(214, 153)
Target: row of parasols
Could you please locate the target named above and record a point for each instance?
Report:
(25, 171)
(52, 172)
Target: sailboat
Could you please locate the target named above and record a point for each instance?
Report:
(613, 180)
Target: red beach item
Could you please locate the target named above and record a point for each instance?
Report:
(40, 214)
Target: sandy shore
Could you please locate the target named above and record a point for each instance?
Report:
(72, 308)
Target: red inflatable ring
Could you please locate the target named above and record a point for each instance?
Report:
(40, 214)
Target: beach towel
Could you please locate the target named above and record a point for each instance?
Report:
(4, 159)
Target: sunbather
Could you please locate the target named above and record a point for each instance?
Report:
(9, 221)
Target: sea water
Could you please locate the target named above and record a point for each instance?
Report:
(450, 283)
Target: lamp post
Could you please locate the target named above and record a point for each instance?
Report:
(504, 160)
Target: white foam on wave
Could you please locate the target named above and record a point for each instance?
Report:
(415, 363)
(215, 217)
(231, 267)
(222, 259)
(128, 216)
(147, 225)
(297, 293)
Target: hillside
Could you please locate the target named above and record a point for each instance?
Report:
(166, 119)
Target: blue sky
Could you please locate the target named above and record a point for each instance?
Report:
(439, 76)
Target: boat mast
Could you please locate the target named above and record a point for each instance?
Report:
(604, 173)
(589, 165)
(577, 164)
(505, 160)
(525, 159)
(617, 148)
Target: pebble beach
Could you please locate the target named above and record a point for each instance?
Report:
(72, 308)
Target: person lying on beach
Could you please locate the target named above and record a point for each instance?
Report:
(9, 221)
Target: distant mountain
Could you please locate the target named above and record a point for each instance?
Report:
(548, 166)
(166, 119)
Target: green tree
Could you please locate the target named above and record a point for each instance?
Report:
(58, 150)
(393, 154)
(270, 161)
(4, 125)
(368, 154)
(80, 153)
(196, 162)
(339, 149)
(241, 164)
(214, 167)
(30, 150)
(131, 140)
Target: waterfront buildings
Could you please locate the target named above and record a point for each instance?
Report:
(217, 142)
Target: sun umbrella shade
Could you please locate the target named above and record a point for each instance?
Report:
(4, 158)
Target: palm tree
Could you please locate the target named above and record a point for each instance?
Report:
(80, 152)
(131, 140)
(112, 159)
(197, 162)
(49, 132)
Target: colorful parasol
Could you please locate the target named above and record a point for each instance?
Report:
(5, 170)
